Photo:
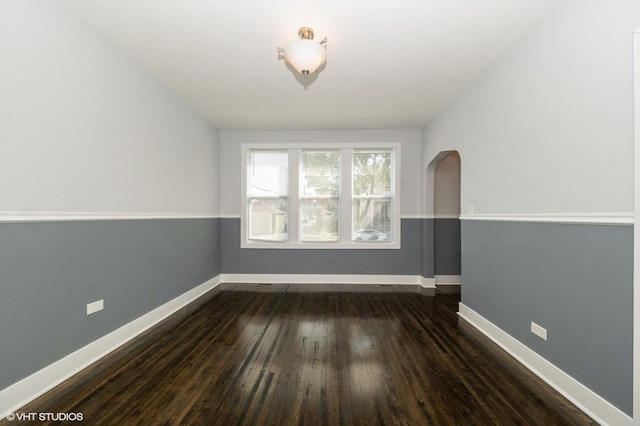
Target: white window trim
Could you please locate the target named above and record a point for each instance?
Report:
(345, 194)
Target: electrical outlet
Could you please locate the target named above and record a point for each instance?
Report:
(541, 332)
(470, 209)
(94, 307)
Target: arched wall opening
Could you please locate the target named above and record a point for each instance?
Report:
(444, 260)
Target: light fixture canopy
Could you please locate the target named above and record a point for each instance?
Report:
(304, 54)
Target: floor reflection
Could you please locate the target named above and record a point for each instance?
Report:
(315, 347)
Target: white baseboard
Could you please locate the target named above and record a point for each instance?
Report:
(448, 279)
(585, 399)
(427, 282)
(324, 279)
(29, 388)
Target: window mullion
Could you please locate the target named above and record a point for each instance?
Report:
(293, 221)
(346, 193)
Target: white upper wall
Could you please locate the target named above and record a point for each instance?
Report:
(231, 141)
(549, 128)
(84, 130)
(447, 186)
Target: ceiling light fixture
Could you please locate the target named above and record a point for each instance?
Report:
(304, 54)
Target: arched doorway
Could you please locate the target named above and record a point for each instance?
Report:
(443, 175)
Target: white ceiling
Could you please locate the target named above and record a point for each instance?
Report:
(389, 64)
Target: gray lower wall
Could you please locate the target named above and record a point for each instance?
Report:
(50, 271)
(404, 261)
(427, 257)
(446, 242)
(441, 243)
(574, 280)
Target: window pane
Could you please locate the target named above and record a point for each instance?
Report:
(268, 219)
(320, 173)
(319, 188)
(372, 173)
(372, 220)
(319, 219)
(268, 173)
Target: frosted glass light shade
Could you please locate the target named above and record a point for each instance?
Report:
(306, 56)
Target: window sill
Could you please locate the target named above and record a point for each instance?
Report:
(391, 245)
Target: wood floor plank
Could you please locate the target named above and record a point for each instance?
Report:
(312, 355)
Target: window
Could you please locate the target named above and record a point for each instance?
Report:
(372, 195)
(268, 193)
(321, 196)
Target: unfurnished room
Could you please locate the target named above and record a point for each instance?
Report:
(320, 213)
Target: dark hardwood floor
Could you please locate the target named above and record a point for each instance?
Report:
(311, 355)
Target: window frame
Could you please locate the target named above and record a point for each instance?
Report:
(345, 196)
